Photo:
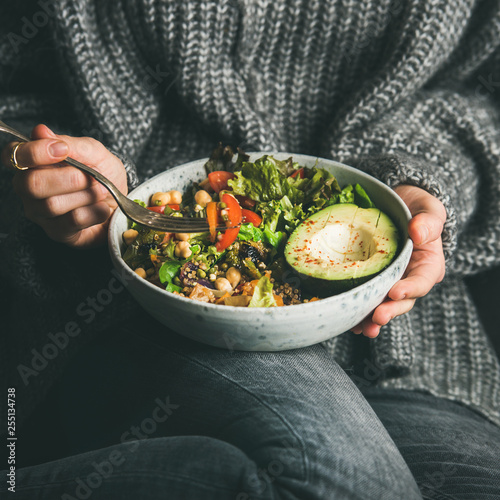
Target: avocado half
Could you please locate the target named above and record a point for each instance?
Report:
(341, 247)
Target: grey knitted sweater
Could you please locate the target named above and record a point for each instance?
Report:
(408, 90)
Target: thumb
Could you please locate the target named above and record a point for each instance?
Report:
(429, 214)
(425, 227)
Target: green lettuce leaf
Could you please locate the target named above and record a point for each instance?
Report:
(173, 288)
(263, 181)
(141, 203)
(292, 214)
(361, 198)
(353, 194)
(207, 254)
(132, 224)
(274, 238)
(278, 217)
(195, 250)
(345, 196)
(169, 270)
(318, 184)
(270, 212)
(249, 232)
(169, 250)
(263, 294)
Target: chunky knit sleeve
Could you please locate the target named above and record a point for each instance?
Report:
(446, 141)
(130, 168)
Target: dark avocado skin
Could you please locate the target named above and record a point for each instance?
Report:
(322, 289)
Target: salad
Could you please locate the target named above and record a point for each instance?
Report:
(266, 200)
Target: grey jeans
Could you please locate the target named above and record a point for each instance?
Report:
(173, 419)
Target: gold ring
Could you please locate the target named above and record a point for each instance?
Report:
(13, 158)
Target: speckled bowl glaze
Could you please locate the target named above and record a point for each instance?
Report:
(264, 329)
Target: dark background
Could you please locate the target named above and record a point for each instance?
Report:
(485, 289)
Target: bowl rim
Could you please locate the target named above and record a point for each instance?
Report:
(116, 256)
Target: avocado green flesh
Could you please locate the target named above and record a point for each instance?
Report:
(341, 247)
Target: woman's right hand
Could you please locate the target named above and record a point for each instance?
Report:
(69, 205)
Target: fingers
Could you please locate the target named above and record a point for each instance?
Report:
(48, 148)
(425, 227)
(385, 312)
(426, 267)
(420, 201)
(417, 284)
(69, 205)
(390, 309)
(42, 152)
(42, 132)
(429, 214)
(55, 206)
(41, 183)
(69, 226)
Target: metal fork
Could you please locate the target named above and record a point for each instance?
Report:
(136, 213)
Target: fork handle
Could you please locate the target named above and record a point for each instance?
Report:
(115, 192)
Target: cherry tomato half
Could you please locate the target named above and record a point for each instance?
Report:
(160, 210)
(249, 216)
(218, 180)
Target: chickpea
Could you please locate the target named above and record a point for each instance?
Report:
(202, 198)
(182, 236)
(233, 275)
(186, 253)
(160, 199)
(140, 272)
(129, 236)
(175, 197)
(223, 284)
(182, 250)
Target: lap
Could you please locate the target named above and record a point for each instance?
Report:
(159, 413)
(295, 415)
(452, 452)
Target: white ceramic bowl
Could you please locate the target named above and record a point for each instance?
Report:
(264, 329)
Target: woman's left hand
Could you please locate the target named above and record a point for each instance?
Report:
(426, 267)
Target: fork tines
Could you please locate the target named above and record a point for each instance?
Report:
(171, 224)
(178, 224)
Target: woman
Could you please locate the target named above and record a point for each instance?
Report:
(402, 90)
